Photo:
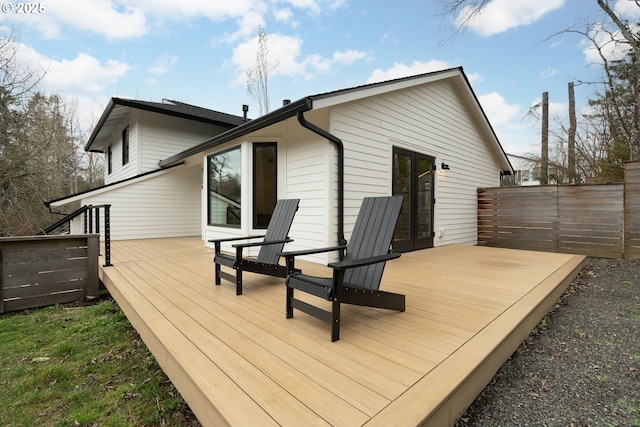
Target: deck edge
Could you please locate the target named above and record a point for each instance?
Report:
(498, 350)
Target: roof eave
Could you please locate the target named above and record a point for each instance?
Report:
(96, 130)
(281, 114)
(505, 164)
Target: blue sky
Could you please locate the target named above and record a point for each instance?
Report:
(197, 51)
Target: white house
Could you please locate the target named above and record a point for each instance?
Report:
(425, 137)
(526, 170)
(148, 201)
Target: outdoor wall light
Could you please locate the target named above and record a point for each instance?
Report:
(444, 166)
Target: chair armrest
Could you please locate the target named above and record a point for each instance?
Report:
(311, 251)
(271, 242)
(231, 239)
(344, 265)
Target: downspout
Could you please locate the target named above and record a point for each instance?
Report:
(323, 133)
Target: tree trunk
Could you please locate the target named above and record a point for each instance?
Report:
(544, 157)
(572, 135)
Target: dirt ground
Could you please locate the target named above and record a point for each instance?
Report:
(580, 367)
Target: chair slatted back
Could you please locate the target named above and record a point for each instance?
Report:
(372, 235)
(278, 229)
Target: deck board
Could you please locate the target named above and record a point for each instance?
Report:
(238, 361)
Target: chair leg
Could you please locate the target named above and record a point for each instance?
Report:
(217, 273)
(238, 281)
(216, 246)
(289, 302)
(335, 319)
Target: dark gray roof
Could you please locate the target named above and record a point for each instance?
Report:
(119, 108)
(287, 111)
(327, 98)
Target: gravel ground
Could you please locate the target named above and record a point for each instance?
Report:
(580, 367)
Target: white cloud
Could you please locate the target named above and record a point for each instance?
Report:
(283, 15)
(556, 109)
(124, 19)
(247, 26)
(82, 75)
(628, 9)
(317, 6)
(547, 73)
(474, 77)
(501, 15)
(163, 64)
(499, 112)
(348, 57)
(401, 70)
(613, 45)
(97, 16)
(285, 55)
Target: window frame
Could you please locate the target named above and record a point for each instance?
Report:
(208, 177)
(109, 160)
(255, 147)
(125, 146)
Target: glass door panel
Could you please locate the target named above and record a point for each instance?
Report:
(413, 179)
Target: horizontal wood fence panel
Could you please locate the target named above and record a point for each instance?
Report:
(593, 220)
(43, 270)
(42, 301)
(501, 222)
(632, 211)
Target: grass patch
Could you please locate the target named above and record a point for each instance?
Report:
(82, 365)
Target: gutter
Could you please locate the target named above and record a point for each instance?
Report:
(340, 146)
(276, 116)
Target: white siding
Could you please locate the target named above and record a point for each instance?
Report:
(164, 136)
(164, 205)
(429, 119)
(311, 177)
(306, 171)
(154, 137)
(120, 171)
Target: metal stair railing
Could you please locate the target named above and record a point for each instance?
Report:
(91, 225)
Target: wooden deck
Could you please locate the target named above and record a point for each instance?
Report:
(237, 361)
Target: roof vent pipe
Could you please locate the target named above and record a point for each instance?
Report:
(323, 133)
(245, 110)
(286, 102)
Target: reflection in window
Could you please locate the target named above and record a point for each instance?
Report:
(264, 183)
(224, 176)
(125, 146)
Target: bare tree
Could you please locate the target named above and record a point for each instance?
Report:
(615, 125)
(258, 75)
(39, 149)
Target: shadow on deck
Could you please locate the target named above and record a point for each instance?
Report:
(237, 361)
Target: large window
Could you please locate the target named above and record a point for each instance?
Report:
(265, 188)
(224, 172)
(225, 180)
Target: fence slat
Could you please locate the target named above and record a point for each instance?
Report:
(43, 270)
(632, 210)
(581, 219)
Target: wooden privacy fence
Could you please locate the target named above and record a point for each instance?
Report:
(601, 220)
(46, 270)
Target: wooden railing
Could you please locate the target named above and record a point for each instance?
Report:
(36, 271)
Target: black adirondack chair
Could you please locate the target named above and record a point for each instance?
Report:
(357, 277)
(270, 248)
